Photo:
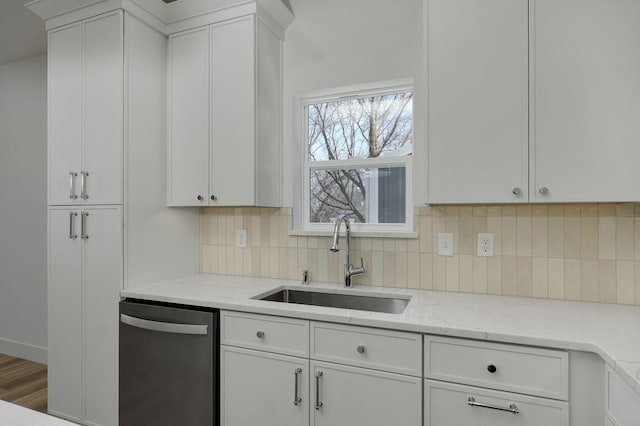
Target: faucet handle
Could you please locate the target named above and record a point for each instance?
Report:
(360, 269)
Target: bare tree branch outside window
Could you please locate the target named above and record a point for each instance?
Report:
(357, 128)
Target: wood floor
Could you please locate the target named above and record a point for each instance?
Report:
(23, 382)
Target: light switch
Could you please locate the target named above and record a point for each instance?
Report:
(241, 238)
(445, 244)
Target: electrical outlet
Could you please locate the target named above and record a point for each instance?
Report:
(445, 244)
(241, 238)
(485, 245)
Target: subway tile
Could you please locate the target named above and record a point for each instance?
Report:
(426, 271)
(589, 280)
(437, 226)
(451, 211)
(377, 244)
(401, 279)
(247, 261)
(540, 277)
(377, 268)
(625, 210)
(637, 239)
(589, 237)
(523, 210)
(556, 278)
(607, 292)
(509, 276)
(589, 210)
(509, 236)
(572, 210)
(508, 211)
(572, 244)
(539, 236)
(389, 269)
(480, 275)
(494, 275)
(413, 270)
(425, 234)
(494, 226)
(625, 282)
(465, 211)
(637, 283)
(625, 238)
(452, 273)
(556, 210)
(402, 245)
(466, 273)
(523, 236)
(607, 238)
(539, 210)
(607, 210)
(452, 227)
(572, 271)
(274, 262)
(465, 240)
(556, 236)
(238, 258)
(524, 276)
(439, 273)
(388, 245)
(293, 273)
(323, 265)
(494, 211)
(479, 211)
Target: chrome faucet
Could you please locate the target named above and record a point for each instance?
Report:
(349, 269)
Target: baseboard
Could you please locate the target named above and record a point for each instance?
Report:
(23, 350)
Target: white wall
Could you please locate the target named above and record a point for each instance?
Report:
(23, 168)
(333, 43)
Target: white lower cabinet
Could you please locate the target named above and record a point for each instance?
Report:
(449, 404)
(622, 402)
(84, 283)
(268, 386)
(261, 388)
(477, 383)
(344, 395)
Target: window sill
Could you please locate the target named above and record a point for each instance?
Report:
(355, 234)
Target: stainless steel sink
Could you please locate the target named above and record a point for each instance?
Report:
(390, 305)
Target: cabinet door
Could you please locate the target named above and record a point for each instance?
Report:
(585, 100)
(65, 313)
(102, 274)
(233, 112)
(64, 114)
(189, 118)
(102, 112)
(358, 396)
(260, 388)
(478, 113)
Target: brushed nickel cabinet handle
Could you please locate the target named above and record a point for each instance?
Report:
(517, 191)
(296, 397)
(260, 334)
(72, 185)
(72, 227)
(83, 225)
(361, 349)
(83, 185)
(544, 190)
(318, 402)
(513, 409)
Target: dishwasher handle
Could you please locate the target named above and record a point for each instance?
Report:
(164, 327)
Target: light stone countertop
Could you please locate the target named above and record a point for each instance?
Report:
(611, 331)
(15, 415)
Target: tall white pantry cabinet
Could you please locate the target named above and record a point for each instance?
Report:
(108, 221)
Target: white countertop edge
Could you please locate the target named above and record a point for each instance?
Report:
(15, 415)
(177, 291)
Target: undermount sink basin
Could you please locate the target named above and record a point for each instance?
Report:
(378, 303)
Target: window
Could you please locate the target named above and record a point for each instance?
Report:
(358, 147)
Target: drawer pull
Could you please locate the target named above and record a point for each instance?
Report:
(319, 403)
(492, 368)
(260, 334)
(296, 397)
(513, 409)
(361, 349)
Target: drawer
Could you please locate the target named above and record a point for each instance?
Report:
(447, 404)
(513, 368)
(385, 350)
(623, 403)
(263, 332)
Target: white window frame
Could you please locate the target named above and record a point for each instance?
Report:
(302, 224)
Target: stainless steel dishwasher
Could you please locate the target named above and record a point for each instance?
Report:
(168, 365)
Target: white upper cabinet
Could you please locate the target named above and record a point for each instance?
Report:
(85, 142)
(533, 101)
(225, 113)
(477, 58)
(585, 100)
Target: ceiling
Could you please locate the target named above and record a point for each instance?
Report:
(22, 33)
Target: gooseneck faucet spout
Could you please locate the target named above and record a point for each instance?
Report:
(349, 269)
